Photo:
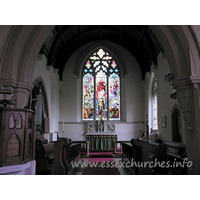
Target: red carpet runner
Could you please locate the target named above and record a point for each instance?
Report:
(98, 170)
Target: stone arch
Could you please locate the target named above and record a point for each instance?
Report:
(32, 38)
(20, 51)
(41, 104)
(176, 51)
(183, 59)
(22, 45)
(194, 50)
(44, 93)
(24, 42)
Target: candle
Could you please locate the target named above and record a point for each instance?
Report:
(63, 125)
(140, 124)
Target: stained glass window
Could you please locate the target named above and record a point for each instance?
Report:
(101, 88)
(88, 95)
(114, 97)
(155, 106)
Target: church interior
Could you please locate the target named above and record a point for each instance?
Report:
(103, 89)
(104, 93)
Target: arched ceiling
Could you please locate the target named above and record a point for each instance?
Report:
(64, 40)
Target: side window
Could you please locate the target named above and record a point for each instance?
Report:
(155, 105)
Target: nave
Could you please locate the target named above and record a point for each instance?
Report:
(135, 157)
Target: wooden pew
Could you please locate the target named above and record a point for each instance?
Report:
(61, 152)
(127, 149)
(158, 153)
(177, 150)
(177, 156)
(84, 146)
(64, 153)
(49, 149)
(172, 155)
(115, 145)
(143, 153)
(144, 157)
(43, 157)
(155, 154)
(131, 153)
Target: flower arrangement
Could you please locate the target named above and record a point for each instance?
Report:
(90, 128)
(113, 128)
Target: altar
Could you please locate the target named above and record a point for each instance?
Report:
(101, 135)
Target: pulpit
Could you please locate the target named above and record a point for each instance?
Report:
(101, 135)
(17, 136)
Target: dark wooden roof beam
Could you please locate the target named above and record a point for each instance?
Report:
(62, 38)
(100, 32)
(151, 45)
(81, 33)
(50, 60)
(140, 37)
(121, 32)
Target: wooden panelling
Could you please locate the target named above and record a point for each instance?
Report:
(13, 146)
(17, 136)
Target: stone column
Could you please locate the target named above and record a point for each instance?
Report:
(189, 105)
(184, 97)
(21, 91)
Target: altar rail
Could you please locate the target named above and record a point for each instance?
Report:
(101, 142)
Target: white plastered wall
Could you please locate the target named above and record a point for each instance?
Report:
(165, 104)
(51, 83)
(132, 98)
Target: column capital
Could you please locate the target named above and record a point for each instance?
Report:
(195, 79)
(21, 91)
(181, 82)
